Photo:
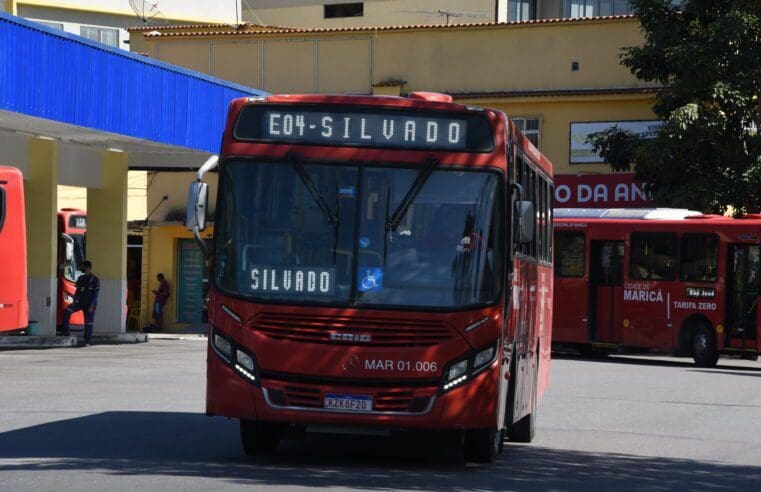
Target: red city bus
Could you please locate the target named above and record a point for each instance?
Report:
(14, 308)
(661, 280)
(378, 264)
(72, 226)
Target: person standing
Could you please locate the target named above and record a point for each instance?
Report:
(85, 300)
(160, 297)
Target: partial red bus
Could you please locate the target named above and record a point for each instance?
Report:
(661, 280)
(72, 226)
(14, 308)
(378, 264)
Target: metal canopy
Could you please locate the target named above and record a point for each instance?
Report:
(63, 86)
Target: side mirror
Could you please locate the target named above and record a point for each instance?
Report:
(523, 218)
(195, 216)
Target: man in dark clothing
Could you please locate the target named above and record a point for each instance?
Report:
(160, 297)
(85, 300)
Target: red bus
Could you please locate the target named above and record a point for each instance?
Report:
(378, 264)
(14, 308)
(72, 226)
(660, 280)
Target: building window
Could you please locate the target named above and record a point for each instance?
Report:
(595, 8)
(103, 35)
(521, 10)
(529, 127)
(54, 25)
(338, 10)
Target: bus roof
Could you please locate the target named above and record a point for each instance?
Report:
(626, 213)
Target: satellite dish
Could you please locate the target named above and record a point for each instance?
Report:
(448, 14)
(148, 12)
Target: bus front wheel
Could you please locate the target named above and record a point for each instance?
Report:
(704, 350)
(259, 437)
(482, 445)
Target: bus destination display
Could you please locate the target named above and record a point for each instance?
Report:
(421, 130)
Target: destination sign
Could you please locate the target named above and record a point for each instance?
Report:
(78, 221)
(292, 280)
(365, 128)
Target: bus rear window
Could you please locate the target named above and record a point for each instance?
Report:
(700, 258)
(653, 256)
(570, 250)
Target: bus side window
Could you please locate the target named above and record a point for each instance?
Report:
(653, 256)
(570, 251)
(699, 258)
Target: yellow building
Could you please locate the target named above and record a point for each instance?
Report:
(559, 78)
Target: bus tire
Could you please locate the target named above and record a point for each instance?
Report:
(703, 342)
(259, 437)
(482, 445)
(525, 429)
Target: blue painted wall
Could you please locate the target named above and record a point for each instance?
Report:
(50, 74)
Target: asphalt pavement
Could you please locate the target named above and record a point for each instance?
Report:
(130, 417)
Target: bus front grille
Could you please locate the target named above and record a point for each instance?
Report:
(350, 330)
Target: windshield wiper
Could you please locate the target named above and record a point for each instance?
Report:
(417, 185)
(316, 196)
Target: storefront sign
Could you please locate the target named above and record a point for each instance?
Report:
(600, 191)
(581, 151)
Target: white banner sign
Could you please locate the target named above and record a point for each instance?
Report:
(581, 151)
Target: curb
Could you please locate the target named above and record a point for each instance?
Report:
(176, 336)
(52, 341)
(26, 342)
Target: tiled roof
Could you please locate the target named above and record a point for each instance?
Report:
(256, 29)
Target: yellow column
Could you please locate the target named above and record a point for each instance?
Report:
(41, 195)
(10, 7)
(107, 242)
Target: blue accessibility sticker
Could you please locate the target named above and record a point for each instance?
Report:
(370, 279)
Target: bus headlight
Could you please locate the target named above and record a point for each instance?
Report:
(235, 356)
(245, 365)
(460, 371)
(223, 346)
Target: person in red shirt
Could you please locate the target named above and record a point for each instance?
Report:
(160, 297)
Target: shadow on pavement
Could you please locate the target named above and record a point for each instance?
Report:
(646, 361)
(193, 445)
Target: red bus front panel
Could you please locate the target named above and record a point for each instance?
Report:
(14, 308)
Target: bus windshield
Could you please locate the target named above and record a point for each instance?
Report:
(275, 242)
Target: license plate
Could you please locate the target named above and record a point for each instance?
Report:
(352, 403)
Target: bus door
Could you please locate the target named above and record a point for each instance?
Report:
(743, 293)
(606, 291)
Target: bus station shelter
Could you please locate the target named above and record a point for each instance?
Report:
(79, 113)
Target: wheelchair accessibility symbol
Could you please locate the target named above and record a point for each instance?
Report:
(370, 279)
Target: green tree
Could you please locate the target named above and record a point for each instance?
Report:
(707, 56)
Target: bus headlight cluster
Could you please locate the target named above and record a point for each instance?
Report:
(461, 370)
(236, 357)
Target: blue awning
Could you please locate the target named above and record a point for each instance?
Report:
(47, 73)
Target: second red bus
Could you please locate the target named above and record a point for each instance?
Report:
(660, 280)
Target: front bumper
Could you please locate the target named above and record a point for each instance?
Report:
(399, 404)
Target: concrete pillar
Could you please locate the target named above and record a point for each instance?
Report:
(41, 194)
(107, 242)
